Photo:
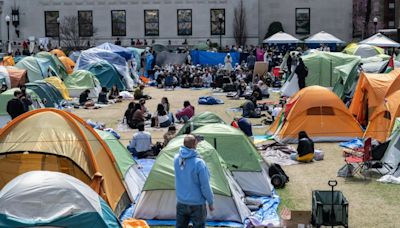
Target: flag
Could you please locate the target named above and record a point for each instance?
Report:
(390, 65)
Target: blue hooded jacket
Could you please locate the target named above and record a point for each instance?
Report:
(192, 178)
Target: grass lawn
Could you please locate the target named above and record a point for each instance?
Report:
(371, 204)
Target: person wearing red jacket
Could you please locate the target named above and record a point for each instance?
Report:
(186, 113)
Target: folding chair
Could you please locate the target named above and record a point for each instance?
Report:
(359, 162)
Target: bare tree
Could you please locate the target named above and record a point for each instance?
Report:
(239, 25)
(69, 33)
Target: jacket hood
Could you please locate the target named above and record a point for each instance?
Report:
(187, 153)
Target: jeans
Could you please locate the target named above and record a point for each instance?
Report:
(185, 119)
(195, 213)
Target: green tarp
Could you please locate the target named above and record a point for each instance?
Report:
(200, 120)
(162, 175)
(80, 79)
(121, 154)
(321, 67)
(238, 152)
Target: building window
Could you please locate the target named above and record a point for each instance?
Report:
(391, 24)
(151, 23)
(85, 21)
(217, 28)
(51, 26)
(118, 22)
(391, 5)
(303, 21)
(184, 22)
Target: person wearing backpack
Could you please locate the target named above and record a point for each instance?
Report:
(302, 73)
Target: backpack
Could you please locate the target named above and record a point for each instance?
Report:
(305, 71)
(278, 176)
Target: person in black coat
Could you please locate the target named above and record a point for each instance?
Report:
(15, 107)
(302, 72)
(305, 148)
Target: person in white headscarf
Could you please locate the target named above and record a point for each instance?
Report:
(228, 62)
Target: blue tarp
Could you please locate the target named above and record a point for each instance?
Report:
(212, 58)
(209, 100)
(124, 52)
(353, 144)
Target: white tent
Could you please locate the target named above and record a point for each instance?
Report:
(323, 38)
(281, 38)
(380, 40)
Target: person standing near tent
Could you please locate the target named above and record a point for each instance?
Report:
(302, 72)
(192, 184)
(289, 63)
(15, 107)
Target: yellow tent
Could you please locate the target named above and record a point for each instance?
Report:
(56, 82)
(8, 61)
(68, 63)
(58, 53)
(370, 93)
(320, 113)
(55, 140)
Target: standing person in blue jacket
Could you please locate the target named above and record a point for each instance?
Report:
(192, 184)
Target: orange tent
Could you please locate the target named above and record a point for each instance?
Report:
(68, 63)
(55, 140)
(370, 93)
(320, 113)
(18, 76)
(8, 61)
(58, 53)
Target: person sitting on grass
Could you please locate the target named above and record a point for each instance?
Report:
(161, 117)
(169, 135)
(129, 113)
(305, 149)
(138, 117)
(186, 113)
(141, 144)
(114, 94)
(197, 82)
(138, 94)
(249, 108)
(103, 96)
(84, 99)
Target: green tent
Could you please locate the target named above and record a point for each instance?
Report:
(81, 80)
(200, 120)
(158, 200)
(240, 155)
(57, 65)
(128, 167)
(31, 65)
(107, 75)
(321, 67)
(347, 78)
(8, 95)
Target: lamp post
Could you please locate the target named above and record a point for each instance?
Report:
(375, 20)
(8, 28)
(59, 34)
(220, 20)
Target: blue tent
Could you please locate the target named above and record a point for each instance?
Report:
(124, 52)
(212, 58)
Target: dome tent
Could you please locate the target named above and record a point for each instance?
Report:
(158, 199)
(61, 142)
(241, 157)
(81, 80)
(320, 113)
(199, 121)
(64, 202)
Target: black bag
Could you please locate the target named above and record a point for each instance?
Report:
(278, 176)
